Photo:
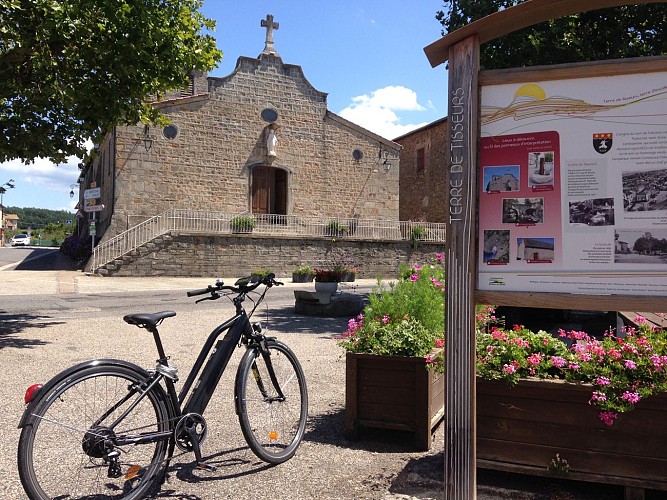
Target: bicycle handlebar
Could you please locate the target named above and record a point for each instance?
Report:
(244, 286)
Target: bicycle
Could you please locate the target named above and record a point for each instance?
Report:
(108, 428)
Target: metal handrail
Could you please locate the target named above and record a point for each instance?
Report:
(208, 222)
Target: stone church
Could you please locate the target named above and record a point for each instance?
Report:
(258, 141)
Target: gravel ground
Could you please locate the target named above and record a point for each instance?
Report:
(325, 466)
(382, 465)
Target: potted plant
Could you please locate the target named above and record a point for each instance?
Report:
(242, 223)
(415, 234)
(303, 274)
(348, 274)
(388, 349)
(335, 229)
(595, 404)
(258, 274)
(326, 280)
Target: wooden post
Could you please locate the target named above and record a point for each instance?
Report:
(460, 259)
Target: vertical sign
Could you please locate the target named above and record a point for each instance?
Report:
(463, 130)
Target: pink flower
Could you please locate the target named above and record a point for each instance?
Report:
(418, 267)
(499, 335)
(603, 381)
(614, 353)
(440, 342)
(509, 369)
(640, 319)
(440, 256)
(414, 277)
(558, 361)
(385, 319)
(598, 396)
(631, 365)
(632, 397)
(574, 366)
(534, 359)
(608, 417)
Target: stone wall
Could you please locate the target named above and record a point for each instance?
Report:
(239, 255)
(222, 138)
(423, 194)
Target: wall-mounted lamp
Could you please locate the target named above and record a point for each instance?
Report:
(71, 187)
(383, 159)
(148, 140)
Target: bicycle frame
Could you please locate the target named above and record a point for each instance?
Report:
(217, 363)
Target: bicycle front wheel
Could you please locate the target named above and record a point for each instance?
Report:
(68, 448)
(273, 421)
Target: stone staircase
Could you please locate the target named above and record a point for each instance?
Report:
(122, 263)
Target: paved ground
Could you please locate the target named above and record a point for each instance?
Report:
(382, 465)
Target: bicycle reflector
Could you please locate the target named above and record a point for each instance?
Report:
(30, 392)
(273, 435)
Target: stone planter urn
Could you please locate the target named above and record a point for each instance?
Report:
(326, 287)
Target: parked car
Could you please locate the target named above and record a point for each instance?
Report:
(20, 239)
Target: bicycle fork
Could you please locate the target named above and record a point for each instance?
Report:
(266, 356)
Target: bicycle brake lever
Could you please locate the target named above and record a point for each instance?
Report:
(214, 296)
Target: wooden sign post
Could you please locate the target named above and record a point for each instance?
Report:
(462, 131)
(461, 49)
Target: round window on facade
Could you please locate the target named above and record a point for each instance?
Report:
(357, 154)
(170, 131)
(269, 115)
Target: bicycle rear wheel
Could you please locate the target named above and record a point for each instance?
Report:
(273, 427)
(66, 450)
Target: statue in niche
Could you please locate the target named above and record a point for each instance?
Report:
(271, 143)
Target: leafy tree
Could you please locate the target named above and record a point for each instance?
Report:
(33, 218)
(72, 69)
(628, 31)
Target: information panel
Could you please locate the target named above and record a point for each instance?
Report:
(573, 186)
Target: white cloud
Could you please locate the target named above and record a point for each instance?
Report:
(378, 111)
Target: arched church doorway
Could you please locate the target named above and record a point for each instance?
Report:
(269, 190)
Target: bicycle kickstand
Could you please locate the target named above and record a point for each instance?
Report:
(197, 449)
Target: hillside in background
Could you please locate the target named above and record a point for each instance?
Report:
(38, 218)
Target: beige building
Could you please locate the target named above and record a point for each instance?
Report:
(422, 176)
(260, 140)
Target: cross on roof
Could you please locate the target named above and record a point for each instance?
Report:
(270, 26)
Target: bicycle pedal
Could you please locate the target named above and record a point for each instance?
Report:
(206, 467)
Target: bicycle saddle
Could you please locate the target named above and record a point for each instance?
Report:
(147, 319)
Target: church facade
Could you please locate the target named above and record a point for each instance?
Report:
(259, 141)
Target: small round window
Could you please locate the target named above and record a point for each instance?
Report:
(170, 131)
(269, 115)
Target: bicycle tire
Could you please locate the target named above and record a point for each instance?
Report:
(52, 457)
(272, 429)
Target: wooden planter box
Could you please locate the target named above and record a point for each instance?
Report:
(393, 392)
(520, 429)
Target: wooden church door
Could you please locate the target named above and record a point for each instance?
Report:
(269, 190)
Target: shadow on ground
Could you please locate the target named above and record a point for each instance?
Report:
(329, 428)
(284, 320)
(13, 324)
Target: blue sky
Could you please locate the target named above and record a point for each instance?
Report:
(366, 54)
